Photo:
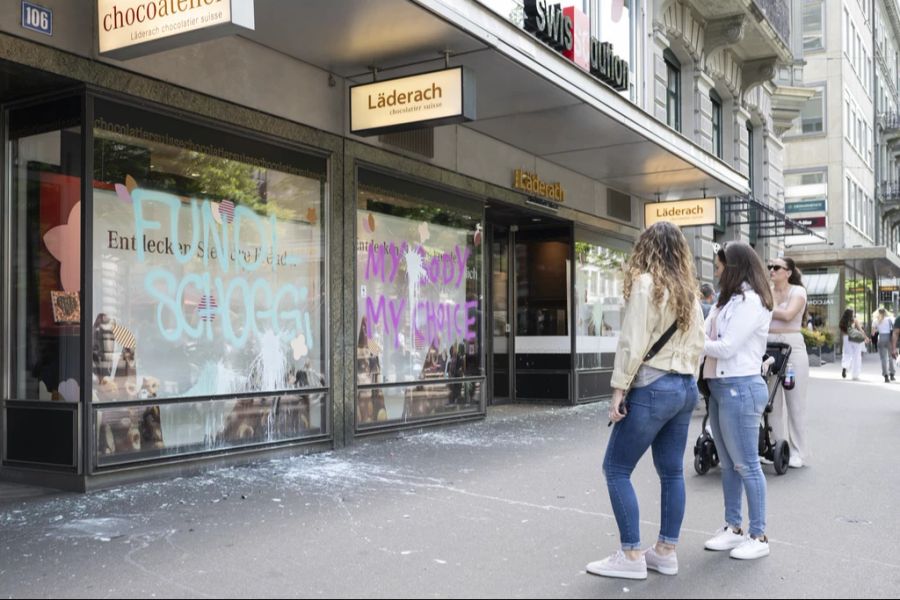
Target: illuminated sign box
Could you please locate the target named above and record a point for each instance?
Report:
(684, 213)
(428, 99)
(805, 206)
(812, 221)
(132, 28)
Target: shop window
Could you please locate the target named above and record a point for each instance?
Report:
(45, 144)
(419, 313)
(599, 278)
(208, 282)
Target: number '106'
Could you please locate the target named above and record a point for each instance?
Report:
(37, 18)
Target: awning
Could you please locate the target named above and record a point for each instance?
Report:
(528, 95)
(820, 284)
(769, 222)
(872, 261)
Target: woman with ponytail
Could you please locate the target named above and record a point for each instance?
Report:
(789, 409)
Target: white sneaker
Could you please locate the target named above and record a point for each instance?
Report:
(667, 565)
(725, 539)
(795, 462)
(618, 565)
(765, 461)
(750, 549)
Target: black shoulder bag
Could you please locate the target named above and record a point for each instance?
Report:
(662, 341)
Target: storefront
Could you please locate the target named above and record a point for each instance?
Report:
(168, 288)
(196, 277)
(860, 279)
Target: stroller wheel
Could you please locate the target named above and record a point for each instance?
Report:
(782, 457)
(700, 465)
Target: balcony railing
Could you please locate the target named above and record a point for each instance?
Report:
(779, 15)
(890, 122)
(889, 192)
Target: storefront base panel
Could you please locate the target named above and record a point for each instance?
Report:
(142, 473)
(418, 426)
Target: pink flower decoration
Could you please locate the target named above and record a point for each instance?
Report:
(123, 193)
(64, 243)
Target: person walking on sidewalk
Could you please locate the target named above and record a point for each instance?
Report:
(654, 394)
(884, 328)
(854, 345)
(895, 338)
(789, 409)
(736, 333)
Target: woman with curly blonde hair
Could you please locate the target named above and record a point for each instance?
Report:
(654, 394)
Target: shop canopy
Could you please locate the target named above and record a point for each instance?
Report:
(528, 95)
(870, 261)
(820, 284)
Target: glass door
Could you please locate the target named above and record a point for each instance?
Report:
(501, 324)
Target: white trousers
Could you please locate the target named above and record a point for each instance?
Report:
(788, 417)
(851, 359)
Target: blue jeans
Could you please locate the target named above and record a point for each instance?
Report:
(736, 405)
(658, 416)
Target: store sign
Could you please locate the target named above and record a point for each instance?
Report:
(805, 206)
(567, 31)
(131, 28)
(812, 221)
(684, 213)
(37, 18)
(532, 184)
(424, 100)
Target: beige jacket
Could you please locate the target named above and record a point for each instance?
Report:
(643, 323)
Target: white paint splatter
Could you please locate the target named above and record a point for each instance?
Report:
(269, 368)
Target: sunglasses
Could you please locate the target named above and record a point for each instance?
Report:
(776, 268)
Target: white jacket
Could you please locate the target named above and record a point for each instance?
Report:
(742, 327)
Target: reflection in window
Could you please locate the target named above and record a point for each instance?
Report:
(45, 233)
(133, 432)
(418, 299)
(599, 277)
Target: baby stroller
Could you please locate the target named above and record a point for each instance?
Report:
(775, 364)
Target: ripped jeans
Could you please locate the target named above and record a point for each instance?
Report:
(736, 405)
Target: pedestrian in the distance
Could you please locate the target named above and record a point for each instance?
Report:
(854, 345)
(654, 394)
(884, 328)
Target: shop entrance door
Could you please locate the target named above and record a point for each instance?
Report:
(530, 298)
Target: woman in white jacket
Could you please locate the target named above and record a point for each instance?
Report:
(736, 332)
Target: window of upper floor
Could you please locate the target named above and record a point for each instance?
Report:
(813, 25)
(716, 101)
(673, 90)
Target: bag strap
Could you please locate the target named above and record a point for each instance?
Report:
(662, 341)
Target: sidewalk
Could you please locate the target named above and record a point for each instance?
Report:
(514, 506)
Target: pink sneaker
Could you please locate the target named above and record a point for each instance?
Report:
(667, 565)
(618, 565)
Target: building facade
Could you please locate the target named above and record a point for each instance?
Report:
(840, 168)
(210, 252)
